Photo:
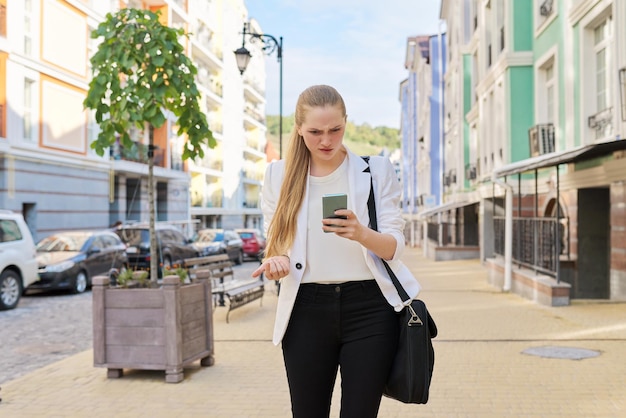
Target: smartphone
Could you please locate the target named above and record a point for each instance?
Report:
(333, 202)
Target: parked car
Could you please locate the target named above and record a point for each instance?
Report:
(253, 242)
(18, 262)
(69, 260)
(172, 245)
(219, 241)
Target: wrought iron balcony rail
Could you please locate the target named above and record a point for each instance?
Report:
(138, 153)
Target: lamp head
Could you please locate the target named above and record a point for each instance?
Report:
(242, 55)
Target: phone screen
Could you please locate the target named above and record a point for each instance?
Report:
(333, 202)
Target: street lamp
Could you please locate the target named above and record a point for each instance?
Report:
(270, 44)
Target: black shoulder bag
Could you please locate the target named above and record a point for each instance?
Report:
(411, 373)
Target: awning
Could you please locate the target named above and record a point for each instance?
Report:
(444, 207)
(552, 159)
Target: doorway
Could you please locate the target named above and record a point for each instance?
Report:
(594, 248)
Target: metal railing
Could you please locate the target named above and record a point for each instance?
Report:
(535, 242)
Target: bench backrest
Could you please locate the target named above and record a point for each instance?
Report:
(209, 266)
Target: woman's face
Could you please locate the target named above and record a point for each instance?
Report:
(323, 130)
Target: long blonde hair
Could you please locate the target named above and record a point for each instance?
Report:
(282, 229)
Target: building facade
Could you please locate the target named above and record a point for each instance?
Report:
(535, 120)
(49, 173)
(421, 97)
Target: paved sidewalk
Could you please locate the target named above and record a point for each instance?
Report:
(480, 367)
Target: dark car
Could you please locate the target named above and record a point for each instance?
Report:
(219, 241)
(253, 242)
(172, 245)
(69, 260)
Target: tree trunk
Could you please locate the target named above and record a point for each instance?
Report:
(154, 261)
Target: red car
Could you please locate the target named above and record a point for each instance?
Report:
(253, 242)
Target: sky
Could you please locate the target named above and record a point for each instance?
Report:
(356, 46)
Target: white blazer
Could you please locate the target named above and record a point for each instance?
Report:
(387, 193)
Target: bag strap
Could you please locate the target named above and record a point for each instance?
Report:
(371, 207)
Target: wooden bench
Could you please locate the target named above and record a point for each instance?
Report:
(219, 269)
(241, 292)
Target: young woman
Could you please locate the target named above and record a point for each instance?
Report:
(337, 306)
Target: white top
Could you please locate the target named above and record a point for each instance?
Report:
(331, 258)
(387, 194)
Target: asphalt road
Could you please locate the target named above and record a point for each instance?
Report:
(47, 327)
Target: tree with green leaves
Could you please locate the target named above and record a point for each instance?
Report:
(140, 71)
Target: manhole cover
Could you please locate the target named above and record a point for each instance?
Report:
(570, 353)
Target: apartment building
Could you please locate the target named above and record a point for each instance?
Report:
(421, 97)
(537, 91)
(48, 171)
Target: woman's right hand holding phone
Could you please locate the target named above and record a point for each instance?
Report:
(274, 268)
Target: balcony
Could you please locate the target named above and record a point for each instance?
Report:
(205, 78)
(255, 114)
(602, 122)
(138, 153)
(212, 161)
(251, 204)
(254, 141)
(253, 172)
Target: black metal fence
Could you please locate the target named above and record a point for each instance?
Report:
(452, 234)
(535, 242)
(433, 233)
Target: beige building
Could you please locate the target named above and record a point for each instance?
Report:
(48, 171)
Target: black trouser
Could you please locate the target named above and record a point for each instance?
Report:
(350, 326)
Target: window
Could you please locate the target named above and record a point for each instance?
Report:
(474, 83)
(549, 71)
(488, 35)
(93, 129)
(601, 119)
(29, 110)
(9, 231)
(28, 27)
(3, 106)
(602, 35)
(3, 18)
(475, 5)
(500, 24)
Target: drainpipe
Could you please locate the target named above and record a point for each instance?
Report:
(508, 232)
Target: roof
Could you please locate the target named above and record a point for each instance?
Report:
(444, 207)
(582, 153)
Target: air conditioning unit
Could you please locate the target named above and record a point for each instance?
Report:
(541, 139)
(446, 180)
(546, 8)
(452, 176)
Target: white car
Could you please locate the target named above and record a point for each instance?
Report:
(18, 262)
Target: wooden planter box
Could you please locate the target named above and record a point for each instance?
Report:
(152, 329)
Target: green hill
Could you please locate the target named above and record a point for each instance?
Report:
(361, 139)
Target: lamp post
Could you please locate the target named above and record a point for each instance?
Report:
(270, 44)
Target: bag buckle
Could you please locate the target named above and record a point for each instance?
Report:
(414, 320)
